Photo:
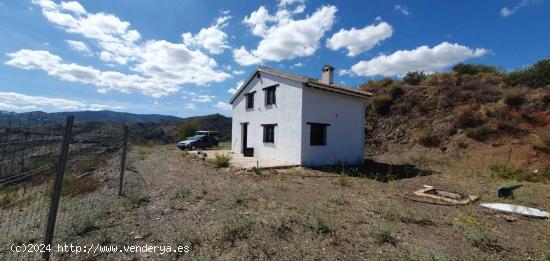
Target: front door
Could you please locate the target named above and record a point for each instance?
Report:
(245, 136)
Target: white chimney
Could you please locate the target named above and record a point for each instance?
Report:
(328, 74)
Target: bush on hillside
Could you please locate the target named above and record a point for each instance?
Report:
(514, 100)
(396, 92)
(414, 78)
(427, 138)
(468, 118)
(382, 103)
(374, 85)
(473, 69)
(536, 75)
(443, 79)
(481, 133)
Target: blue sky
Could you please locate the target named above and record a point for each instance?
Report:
(185, 58)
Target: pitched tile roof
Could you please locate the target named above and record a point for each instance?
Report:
(308, 81)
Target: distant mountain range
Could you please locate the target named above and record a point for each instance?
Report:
(110, 116)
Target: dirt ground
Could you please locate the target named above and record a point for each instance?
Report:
(171, 198)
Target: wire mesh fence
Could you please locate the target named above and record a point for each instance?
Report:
(30, 161)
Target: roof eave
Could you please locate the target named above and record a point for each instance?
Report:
(341, 91)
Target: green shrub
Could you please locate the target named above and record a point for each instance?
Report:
(473, 69)
(220, 160)
(335, 198)
(281, 226)
(414, 78)
(506, 171)
(320, 225)
(382, 103)
(382, 234)
(234, 227)
(535, 75)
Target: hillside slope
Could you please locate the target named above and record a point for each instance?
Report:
(474, 120)
(105, 115)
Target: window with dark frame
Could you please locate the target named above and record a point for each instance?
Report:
(269, 133)
(318, 134)
(250, 100)
(270, 95)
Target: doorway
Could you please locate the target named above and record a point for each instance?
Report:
(245, 136)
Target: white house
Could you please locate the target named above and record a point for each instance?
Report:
(298, 119)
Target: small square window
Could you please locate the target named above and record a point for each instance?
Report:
(250, 100)
(269, 133)
(318, 134)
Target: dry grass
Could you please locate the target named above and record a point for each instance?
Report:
(406, 215)
(234, 226)
(506, 171)
(73, 186)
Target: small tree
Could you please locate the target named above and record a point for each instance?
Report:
(414, 78)
(187, 129)
(535, 75)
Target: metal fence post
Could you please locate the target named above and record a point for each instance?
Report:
(59, 173)
(123, 159)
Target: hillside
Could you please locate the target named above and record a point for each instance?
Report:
(105, 115)
(471, 118)
(142, 127)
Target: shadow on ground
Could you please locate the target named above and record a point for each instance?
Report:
(378, 171)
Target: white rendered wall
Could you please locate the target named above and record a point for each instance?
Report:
(286, 113)
(345, 135)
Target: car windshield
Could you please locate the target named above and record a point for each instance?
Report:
(196, 137)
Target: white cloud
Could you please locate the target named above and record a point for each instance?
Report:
(360, 40)
(190, 106)
(79, 46)
(52, 64)
(290, 2)
(212, 38)
(238, 72)
(203, 98)
(177, 64)
(402, 9)
(236, 88)
(422, 58)
(284, 37)
(506, 11)
(166, 64)
(223, 105)
(74, 7)
(20, 102)
(299, 64)
(244, 57)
